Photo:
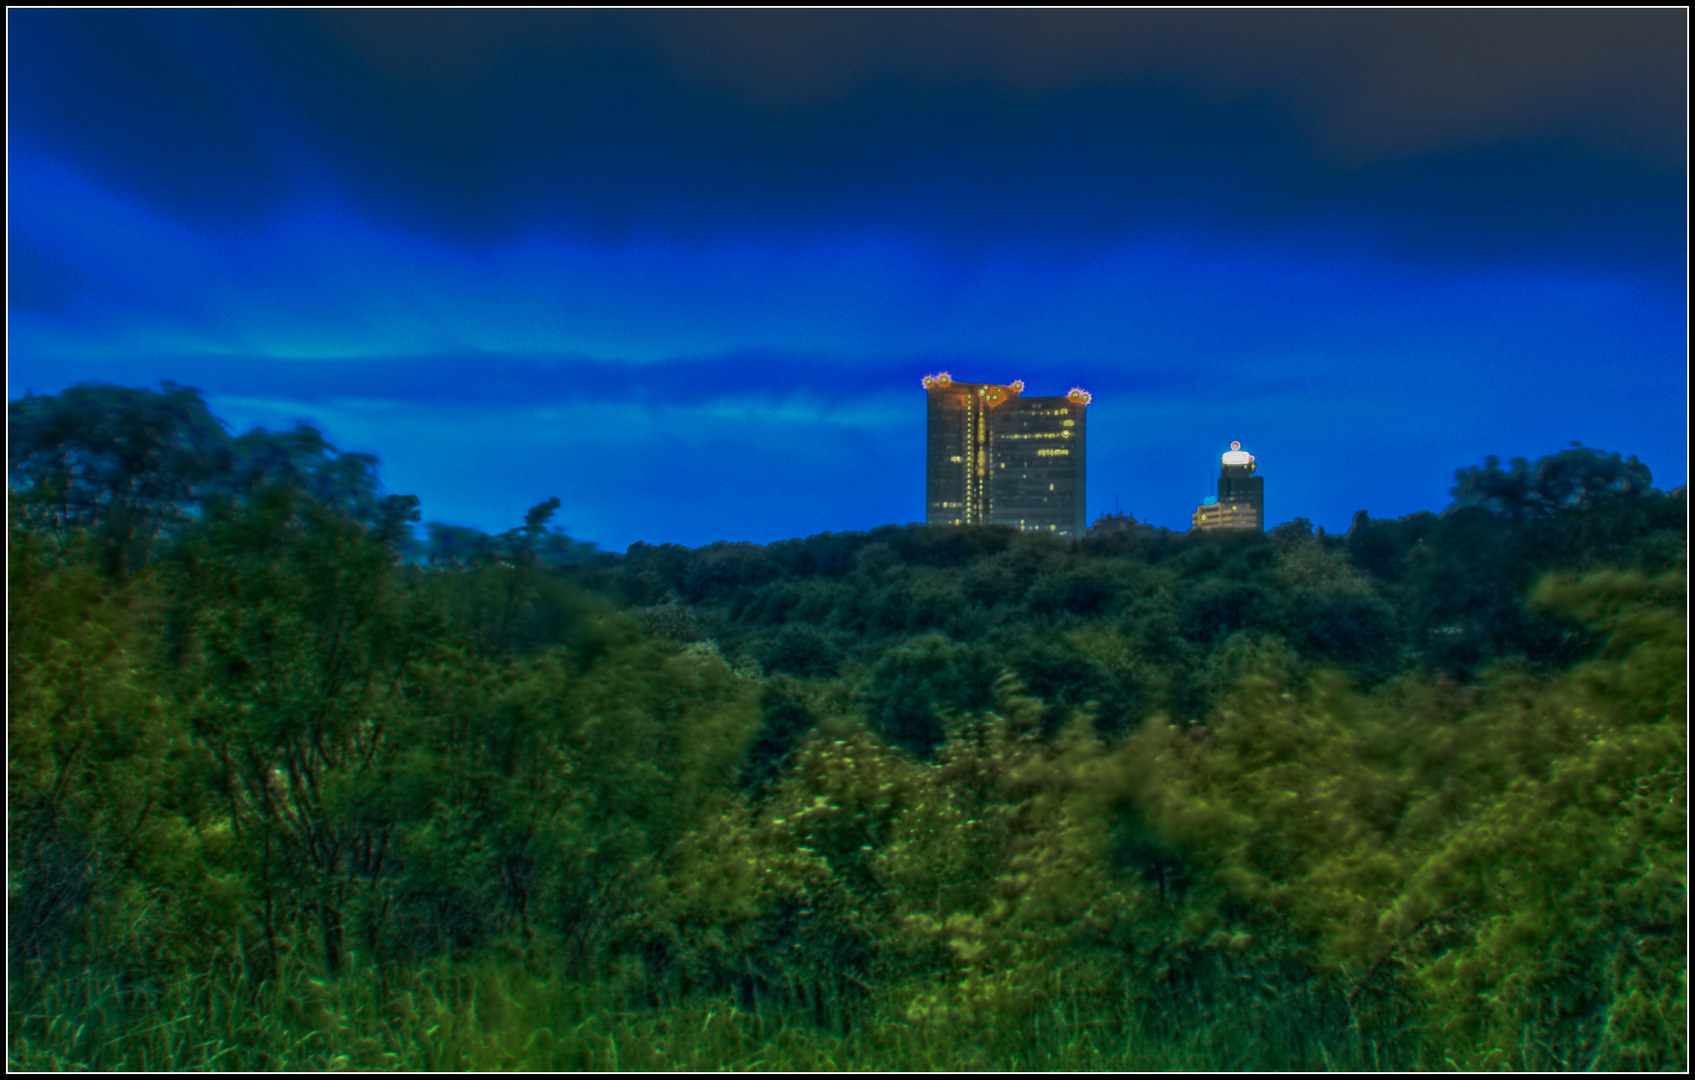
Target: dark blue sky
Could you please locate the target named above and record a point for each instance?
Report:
(685, 269)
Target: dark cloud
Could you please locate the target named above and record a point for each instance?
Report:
(1374, 83)
(1498, 135)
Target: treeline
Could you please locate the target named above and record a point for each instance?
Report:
(1430, 772)
(135, 467)
(920, 620)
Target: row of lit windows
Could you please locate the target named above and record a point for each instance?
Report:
(1227, 515)
(954, 506)
(1229, 508)
(977, 431)
(982, 460)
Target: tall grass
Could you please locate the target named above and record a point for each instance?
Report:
(485, 1012)
(501, 1010)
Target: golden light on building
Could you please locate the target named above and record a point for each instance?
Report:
(983, 456)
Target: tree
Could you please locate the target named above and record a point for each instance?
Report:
(802, 650)
(292, 647)
(455, 545)
(114, 851)
(647, 573)
(723, 569)
(1084, 590)
(1382, 547)
(126, 464)
(138, 467)
(945, 545)
(1291, 531)
(515, 592)
(1574, 478)
(916, 682)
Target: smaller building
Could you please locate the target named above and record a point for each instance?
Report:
(1215, 515)
(1114, 524)
(1240, 502)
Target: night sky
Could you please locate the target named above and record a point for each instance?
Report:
(685, 269)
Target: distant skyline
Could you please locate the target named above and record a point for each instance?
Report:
(684, 269)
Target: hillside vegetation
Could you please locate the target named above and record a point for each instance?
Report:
(290, 790)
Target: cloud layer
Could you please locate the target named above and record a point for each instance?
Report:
(684, 268)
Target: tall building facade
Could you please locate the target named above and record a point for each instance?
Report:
(996, 457)
(1240, 502)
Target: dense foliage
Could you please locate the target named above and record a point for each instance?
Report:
(918, 620)
(1412, 796)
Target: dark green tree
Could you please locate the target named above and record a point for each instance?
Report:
(1296, 530)
(646, 573)
(102, 846)
(128, 464)
(138, 467)
(1571, 479)
(292, 649)
(724, 569)
(801, 650)
(514, 591)
(916, 683)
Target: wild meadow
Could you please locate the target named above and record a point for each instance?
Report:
(289, 790)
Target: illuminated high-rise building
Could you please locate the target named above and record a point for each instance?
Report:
(1240, 502)
(997, 457)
